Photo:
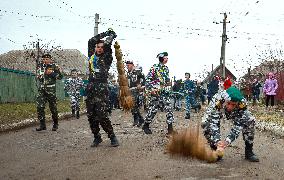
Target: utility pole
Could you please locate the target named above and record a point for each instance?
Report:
(37, 55)
(96, 28)
(223, 47)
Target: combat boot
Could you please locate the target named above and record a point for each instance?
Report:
(96, 141)
(114, 141)
(42, 126)
(170, 129)
(146, 128)
(54, 127)
(187, 116)
(55, 122)
(141, 121)
(135, 122)
(73, 112)
(249, 155)
(78, 114)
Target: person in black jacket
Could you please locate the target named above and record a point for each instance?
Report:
(213, 88)
(136, 80)
(97, 102)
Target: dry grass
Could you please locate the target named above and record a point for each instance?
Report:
(268, 115)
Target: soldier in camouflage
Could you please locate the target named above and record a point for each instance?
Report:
(233, 102)
(97, 101)
(157, 84)
(73, 86)
(136, 81)
(189, 89)
(47, 73)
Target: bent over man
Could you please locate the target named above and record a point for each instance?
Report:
(235, 106)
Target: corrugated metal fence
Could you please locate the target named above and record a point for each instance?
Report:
(20, 86)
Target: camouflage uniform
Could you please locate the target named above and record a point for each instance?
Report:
(157, 78)
(73, 87)
(243, 121)
(47, 93)
(189, 89)
(136, 77)
(97, 102)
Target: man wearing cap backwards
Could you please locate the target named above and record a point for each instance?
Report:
(47, 73)
(233, 102)
(136, 83)
(97, 102)
(157, 83)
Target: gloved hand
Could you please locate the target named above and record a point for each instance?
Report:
(110, 31)
(203, 125)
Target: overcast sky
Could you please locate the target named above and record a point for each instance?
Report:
(183, 28)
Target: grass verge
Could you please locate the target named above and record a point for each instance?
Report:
(15, 112)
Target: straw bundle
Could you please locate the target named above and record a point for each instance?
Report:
(189, 142)
(125, 96)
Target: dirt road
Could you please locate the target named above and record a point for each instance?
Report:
(66, 154)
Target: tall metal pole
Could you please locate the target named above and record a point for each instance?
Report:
(96, 28)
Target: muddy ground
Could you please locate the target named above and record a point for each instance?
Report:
(66, 154)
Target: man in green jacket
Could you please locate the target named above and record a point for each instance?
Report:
(47, 74)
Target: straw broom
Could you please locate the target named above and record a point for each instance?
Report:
(125, 96)
(191, 143)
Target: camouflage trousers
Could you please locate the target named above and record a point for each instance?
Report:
(75, 101)
(43, 97)
(98, 108)
(244, 124)
(153, 106)
(136, 109)
(189, 102)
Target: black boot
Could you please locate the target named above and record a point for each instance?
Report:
(42, 126)
(187, 116)
(73, 112)
(170, 129)
(146, 128)
(97, 141)
(55, 122)
(135, 122)
(249, 155)
(141, 121)
(114, 141)
(54, 127)
(78, 114)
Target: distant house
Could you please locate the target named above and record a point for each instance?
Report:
(261, 71)
(218, 72)
(67, 59)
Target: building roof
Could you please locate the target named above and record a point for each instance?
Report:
(67, 59)
(217, 71)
